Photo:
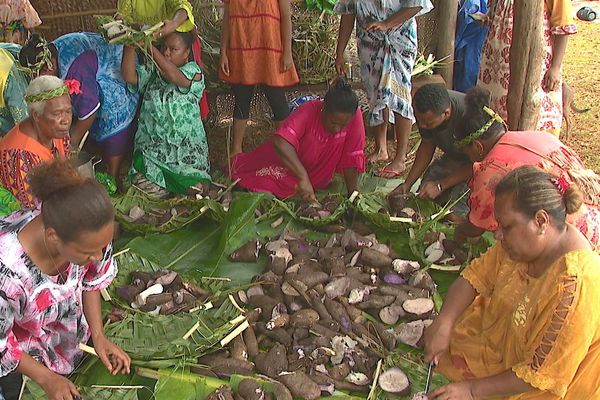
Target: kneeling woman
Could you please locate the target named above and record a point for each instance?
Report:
(522, 321)
(54, 263)
(170, 147)
(319, 139)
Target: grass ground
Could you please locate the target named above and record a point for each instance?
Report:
(582, 72)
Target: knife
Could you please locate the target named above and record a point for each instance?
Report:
(429, 375)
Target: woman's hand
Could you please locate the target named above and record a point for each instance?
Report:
(551, 79)
(112, 356)
(287, 61)
(305, 190)
(400, 190)
(430, 190)
(453, 391)
(340, 64)
(437, 339)
(57, 387)
(169, 26)
(377, 26)
(224, 63)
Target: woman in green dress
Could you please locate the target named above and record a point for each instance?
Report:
(13, 83)
(170, 147)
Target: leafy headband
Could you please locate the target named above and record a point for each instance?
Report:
(478, 133)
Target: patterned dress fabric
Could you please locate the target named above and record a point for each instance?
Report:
(320, 152)
(12, 88)
(544, 329)
(19, 154)
(151, 12)
(170, 146)
(514, 150)
(494, 73)
(387, 58)
(42, 315)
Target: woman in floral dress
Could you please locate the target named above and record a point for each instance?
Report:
(170, 147)
(494, 73)
(386, 31)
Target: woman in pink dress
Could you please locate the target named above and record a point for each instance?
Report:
(482, 135)
(319, 139)
(17, 18)
(494, 72)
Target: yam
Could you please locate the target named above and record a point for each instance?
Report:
(339, 372)
(387, 338)
(331, 252)
(317, 304)
(434, 252)
(311, 279)
(393, 278)
(352, 241)
(281, 392)
(300, 248)
(376, 301)
(238, 349)
(422, 279)
(300, 333)
(394, 380)
(248, 253)
(391, 314)
(402, 291)
(322, 330)
(129, 292)
(338, 312)
(334, 266)
(250, 389)
(265, 303)
(418, 308)
(338, 287)
(222, 393)
(405, 267)
(304, 318)
(410, 333)
(250, 340)
(279, 261)
(300, 385)
(373, 258)
(273, 362)
(280, 335)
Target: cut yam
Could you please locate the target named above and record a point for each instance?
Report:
(391, 314)
(410, 333)
(419, 308)
(394, 380)
(422, 280)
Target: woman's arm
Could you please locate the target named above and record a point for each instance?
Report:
(345, 31)
(286, 35)
(56, 386)
(171, 25)
(437, 337)
(395, 20)
(505, 384)
(113, 357)
(81, 126)
(225, 40)
(552, 77)
(351, 178)
(170, 71)
(128, 66)
(288, 156)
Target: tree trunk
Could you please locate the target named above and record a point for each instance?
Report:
(446, 19)
(526, 58)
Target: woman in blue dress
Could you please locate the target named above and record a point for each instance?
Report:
(102, 104)
(386, 33)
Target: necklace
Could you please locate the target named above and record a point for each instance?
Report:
(62, 278)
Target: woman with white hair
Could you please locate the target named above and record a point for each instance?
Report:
(41, 137)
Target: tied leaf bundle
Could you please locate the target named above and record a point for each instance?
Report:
(120, 32)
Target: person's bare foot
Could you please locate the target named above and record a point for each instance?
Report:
(392, 170)
(378, 156)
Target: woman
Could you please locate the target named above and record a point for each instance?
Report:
(317, 140)
(41, 137)
(170, 147)
(495, 152)
(521, 322)
(13, 83)
(386, 32)
(176, 15)
(17, 18)
(101, 102)
(55, 262)
(494, 72)
(256, 49)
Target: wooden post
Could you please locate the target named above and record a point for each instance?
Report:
(526, 58)
(446, 26)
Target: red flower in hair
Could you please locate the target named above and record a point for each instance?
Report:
(561, 183)
(73, 85)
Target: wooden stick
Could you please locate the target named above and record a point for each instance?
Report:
(126, 387)
(234, 333)
(447, 12)
(192, 330)
(87, 349)
(120, 253)
(83, 139)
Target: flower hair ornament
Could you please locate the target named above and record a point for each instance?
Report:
(561, 183)
(477, 134)
(71, 86)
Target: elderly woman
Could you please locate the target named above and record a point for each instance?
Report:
(170, 147)
(40, 137)
(54, 264)
(317, 140)
(522, 320)
(386, 33)
(101, 102)
(13, 83)
(495, 152)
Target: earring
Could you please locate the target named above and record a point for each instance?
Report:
(542, 231)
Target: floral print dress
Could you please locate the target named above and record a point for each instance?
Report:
(42, 315)
(386, 58)
(170, 146)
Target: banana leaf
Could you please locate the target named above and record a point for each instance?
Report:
(133, 197)
(202, 249)
(161, 338)
(34, 392)
(291, 206)
(180, 384)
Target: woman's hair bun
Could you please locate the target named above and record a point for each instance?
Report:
(573, 199)
(477, 98)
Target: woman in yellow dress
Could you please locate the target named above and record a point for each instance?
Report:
(522, 321)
